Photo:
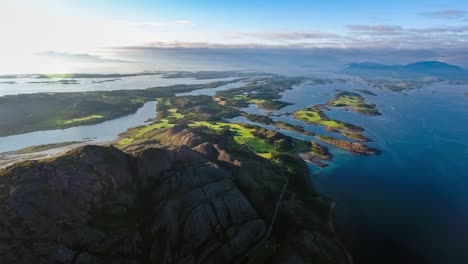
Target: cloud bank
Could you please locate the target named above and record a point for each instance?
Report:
(446, 14)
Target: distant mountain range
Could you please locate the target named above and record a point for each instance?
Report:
(425, 69)
(78, 58)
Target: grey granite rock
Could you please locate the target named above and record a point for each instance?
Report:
(100, 205)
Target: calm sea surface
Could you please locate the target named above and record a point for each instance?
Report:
(410, 204)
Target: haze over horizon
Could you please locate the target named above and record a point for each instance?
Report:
(97, 33)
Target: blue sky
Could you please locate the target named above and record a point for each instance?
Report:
(85, 26)
(268, 15)
(258, 22)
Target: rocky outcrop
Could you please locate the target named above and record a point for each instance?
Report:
(179, 199)
(100, 205)
(181, 135)
(354, 147)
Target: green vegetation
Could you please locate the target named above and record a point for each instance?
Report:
(262, 119)
(243, 134)
(312, 152)
(204, 114)
(294, 128)
(43, 111)
(193, 110)
(353, 101)
(356, 136)
(187, 109)
(80, 120)
(143, 132)
(264, 93)
(56, 76)
(319, 151)
(315, 116)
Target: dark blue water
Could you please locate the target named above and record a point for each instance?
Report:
(410, 204)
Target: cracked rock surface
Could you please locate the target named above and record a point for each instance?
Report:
(179, 199)
(100, 205)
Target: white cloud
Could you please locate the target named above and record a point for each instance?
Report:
(288, 36)
(446, 14)
(376, 29)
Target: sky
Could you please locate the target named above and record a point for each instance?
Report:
(86, 26)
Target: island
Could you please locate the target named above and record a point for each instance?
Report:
(353, 101)
(315, 116)
(397, 85)
(355, 136)
(263, 93)
(61, 81)
(206, 75)
(364, 91)
(266, 120)
(353, 147)
(108, 80)
(294, 128)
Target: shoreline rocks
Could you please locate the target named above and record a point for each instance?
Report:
(354, 147)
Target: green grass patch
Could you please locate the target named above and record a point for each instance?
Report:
(141, 132)
(125, 141)
(353, 101)
(80, 120)
(256, 101)
(174, 114)
(242, 135)
(315, 117)
(164, 123)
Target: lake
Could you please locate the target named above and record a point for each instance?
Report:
(103, 132)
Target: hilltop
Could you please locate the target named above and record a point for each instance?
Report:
(423, 69)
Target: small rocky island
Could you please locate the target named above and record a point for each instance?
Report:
(353, 101)
(354, 147)
(365, 91)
